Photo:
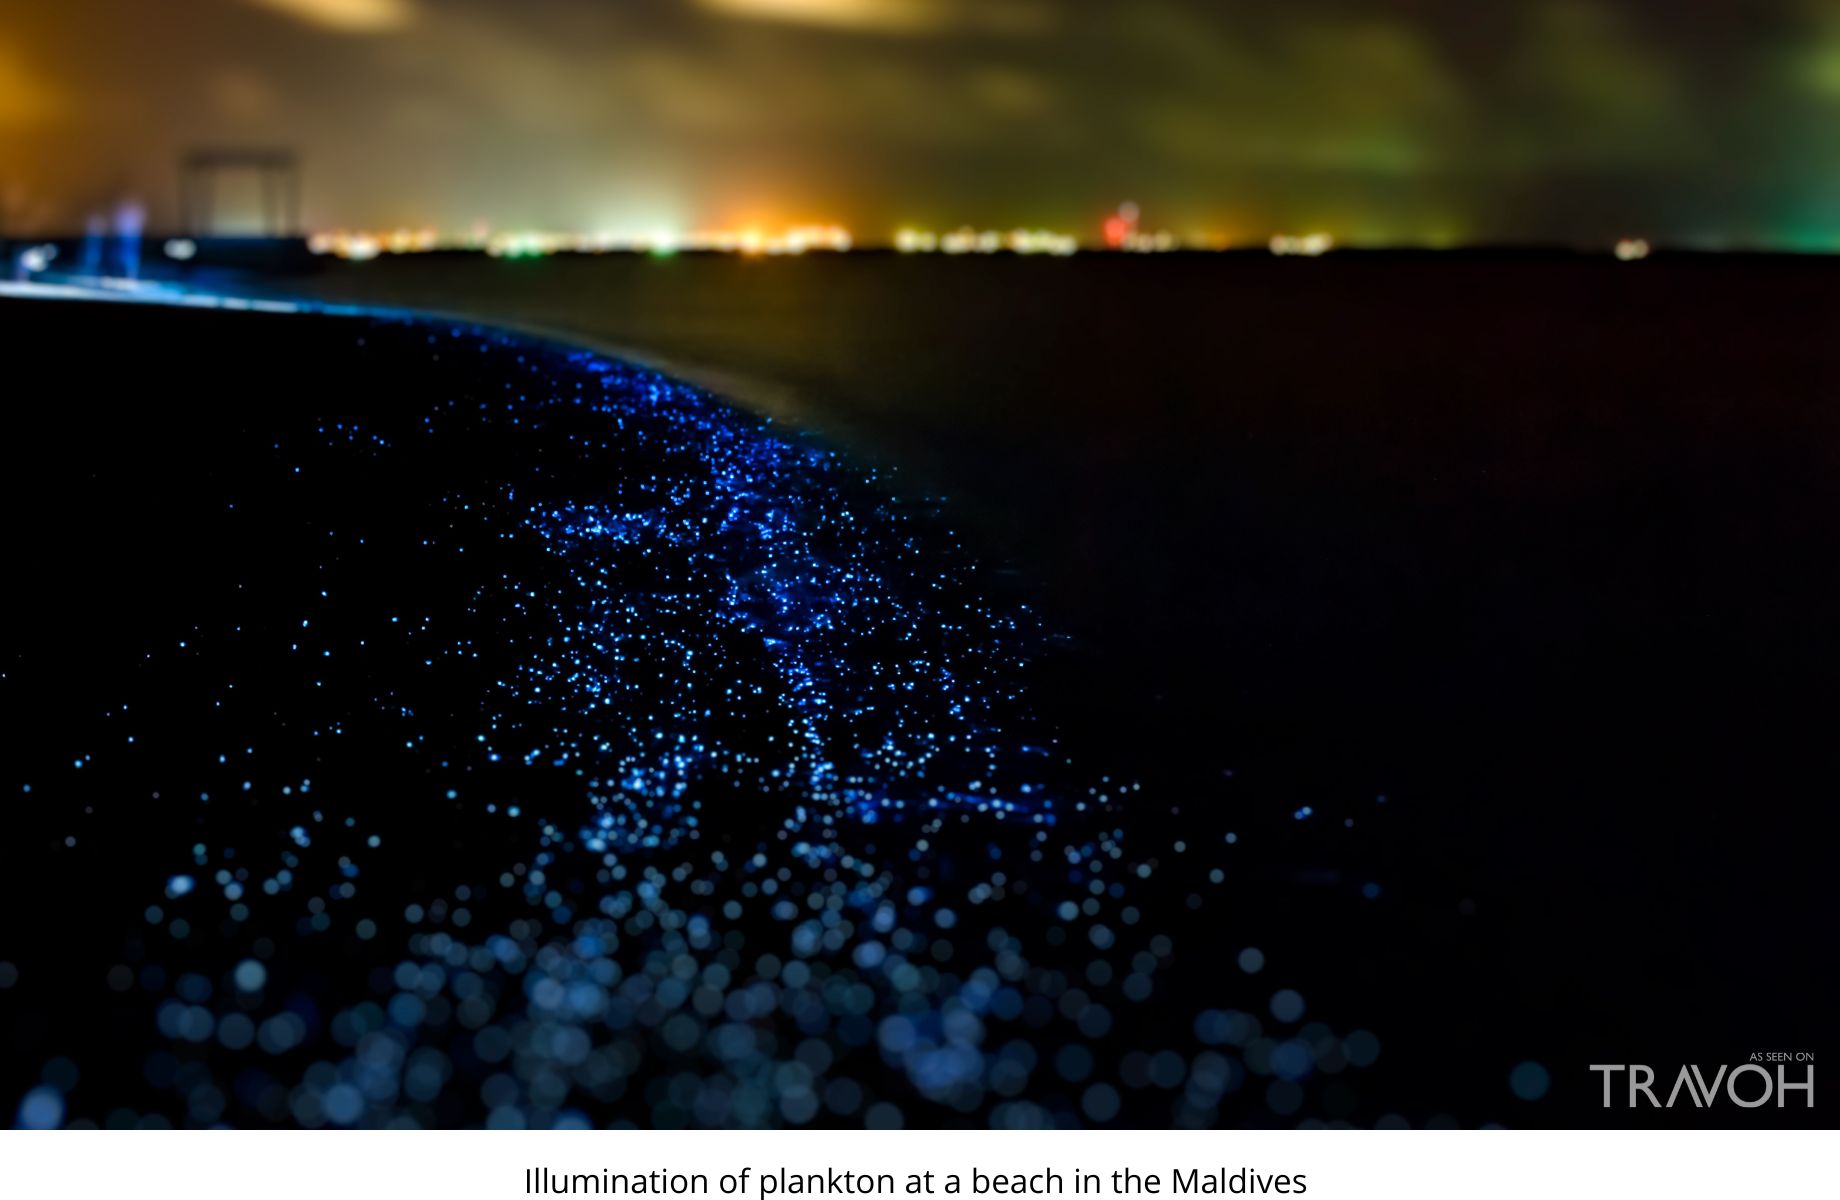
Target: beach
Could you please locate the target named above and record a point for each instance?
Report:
(1460, 621)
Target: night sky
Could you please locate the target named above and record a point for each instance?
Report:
(1433, 121)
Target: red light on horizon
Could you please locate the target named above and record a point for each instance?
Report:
(1120, 226)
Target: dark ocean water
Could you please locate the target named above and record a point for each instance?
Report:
(1487, 603)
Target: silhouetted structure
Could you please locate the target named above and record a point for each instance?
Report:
(278, 172)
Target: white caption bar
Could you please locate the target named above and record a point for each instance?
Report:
(1348, 1165)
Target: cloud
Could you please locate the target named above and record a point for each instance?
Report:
(346, 16)
(25, 99)
(1006, 92)
(1330, 93)
(241, 95)
(894, 16)
(1585, 86)
(1821, 59)
(885, 16)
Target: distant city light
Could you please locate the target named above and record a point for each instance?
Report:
(1119, 231)
(916, 241)
(1309, 245)
(34, 259)
(1121, 226)
(359, 246)
(967, 240)
(1160, 242)
(410, 241)
(1632, 250)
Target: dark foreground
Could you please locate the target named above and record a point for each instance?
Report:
(1550, 570)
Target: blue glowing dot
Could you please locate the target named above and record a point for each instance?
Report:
(1292, 1061)
(250, 975)
(1529, 1081)
(343, 1104)
(1287, 1005)
(42, 1108)
(1361, 1048)
(1100, 1102)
